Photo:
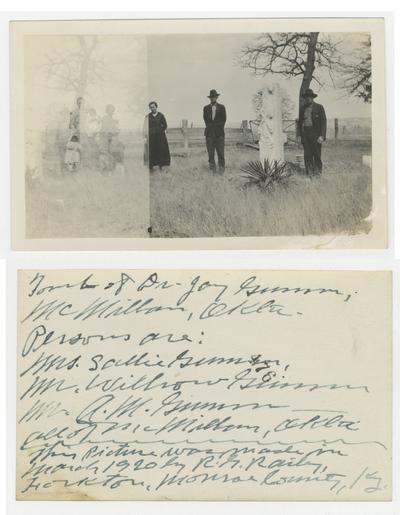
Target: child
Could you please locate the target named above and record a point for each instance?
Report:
(73, 154)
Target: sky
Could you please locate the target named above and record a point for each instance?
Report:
(177, 71)
(183, 68)
(121, 79)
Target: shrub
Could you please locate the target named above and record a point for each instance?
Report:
(266, 175)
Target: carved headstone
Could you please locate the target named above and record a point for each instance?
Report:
(271, 134)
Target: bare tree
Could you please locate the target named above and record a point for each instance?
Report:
(358, 74)
(293, 54)
(74, 70)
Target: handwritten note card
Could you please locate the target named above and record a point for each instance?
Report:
(214, 385)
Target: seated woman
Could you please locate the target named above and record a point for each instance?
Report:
(155, 139)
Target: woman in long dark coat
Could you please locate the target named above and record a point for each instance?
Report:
(156, 143)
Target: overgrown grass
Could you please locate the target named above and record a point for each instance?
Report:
(191, 202)
(87, 204)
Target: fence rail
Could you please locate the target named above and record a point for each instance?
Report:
(185, 137)
(192, 136)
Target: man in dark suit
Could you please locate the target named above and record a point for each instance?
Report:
(312, 126)
(214, 116)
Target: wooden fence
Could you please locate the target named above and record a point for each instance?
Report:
(184, 137)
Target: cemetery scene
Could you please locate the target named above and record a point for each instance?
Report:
(269, 135)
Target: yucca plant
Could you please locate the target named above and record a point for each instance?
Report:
(266, 175)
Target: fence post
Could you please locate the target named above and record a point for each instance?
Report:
(185, 136)
(336, 129)
(245, 130)
(297, 128)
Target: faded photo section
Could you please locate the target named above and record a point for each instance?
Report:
(84, 170)
(201, 195)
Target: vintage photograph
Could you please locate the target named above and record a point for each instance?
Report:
(219, 135)
(279, 144)
(84, 173)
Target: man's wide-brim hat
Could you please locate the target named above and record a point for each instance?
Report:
(213, 93)
(309, 93)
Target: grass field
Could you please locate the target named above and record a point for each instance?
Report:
(190, 202)
(87, 204)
